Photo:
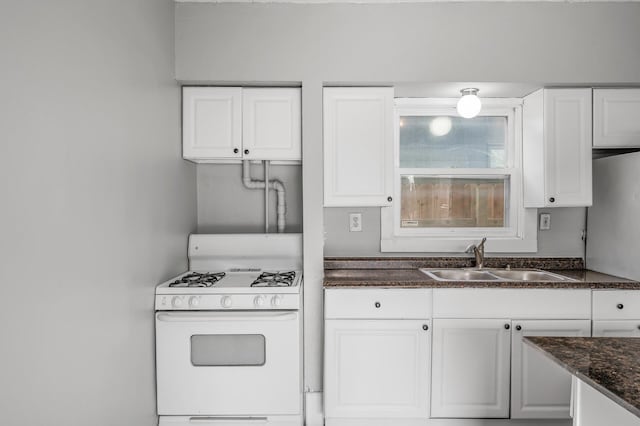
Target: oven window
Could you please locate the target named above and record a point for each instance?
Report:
(227, 350)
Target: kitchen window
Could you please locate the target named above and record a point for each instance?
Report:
(457, 180)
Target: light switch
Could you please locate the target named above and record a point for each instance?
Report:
(545, 221)
(355, 222)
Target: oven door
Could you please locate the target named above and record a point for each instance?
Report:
(228, 363)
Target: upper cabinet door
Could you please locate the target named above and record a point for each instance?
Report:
(616, 118)
(557, 148)
(271, 124)
(358, 146)
(567, 118)
(211, 122)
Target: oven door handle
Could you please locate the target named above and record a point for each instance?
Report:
(227, 420)
(225, 316)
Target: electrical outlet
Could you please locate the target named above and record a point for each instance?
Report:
(545, 221)
(355, 222)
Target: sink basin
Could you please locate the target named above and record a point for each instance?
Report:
(459, 275)
(528, 275)
(466, 274)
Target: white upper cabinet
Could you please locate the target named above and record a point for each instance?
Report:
(226, 123)
(271, 124)
(358, 146)
(557, 143)
(211, 122)
(616, 118)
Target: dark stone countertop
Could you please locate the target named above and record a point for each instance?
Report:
(611, 365)
(405, 273)
(413, 278)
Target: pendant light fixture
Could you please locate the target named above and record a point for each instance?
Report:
(469, 104)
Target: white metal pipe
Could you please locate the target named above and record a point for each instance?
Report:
(276, 185)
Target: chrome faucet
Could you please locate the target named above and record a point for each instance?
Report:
(478, 252)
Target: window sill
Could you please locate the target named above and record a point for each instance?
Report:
(457, 245)
(526, 243)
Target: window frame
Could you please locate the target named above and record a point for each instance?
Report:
(520, 235)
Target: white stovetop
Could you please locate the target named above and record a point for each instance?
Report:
(232, 282)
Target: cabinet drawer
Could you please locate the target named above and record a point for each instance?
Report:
(616, 304)
(377, 303)
(512, 303)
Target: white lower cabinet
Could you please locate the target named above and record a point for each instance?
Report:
(593, 408)
(377, 368)
(624, 328)
(540, 388)
(470, 376)
(616, 313)
(377, 356)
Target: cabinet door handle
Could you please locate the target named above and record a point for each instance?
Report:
(246, 151)
(518, 327)
(377, 304)
(425, 327)
(389, 199)
(552, 200)
(507, 326)
(620, 306)
(236, 150)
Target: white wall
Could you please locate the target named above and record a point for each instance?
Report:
(536, 43)
(95, 208)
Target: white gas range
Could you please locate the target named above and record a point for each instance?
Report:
(229, 333)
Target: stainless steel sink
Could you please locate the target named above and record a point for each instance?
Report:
(528, 275)
(465, 274)
(459, 275)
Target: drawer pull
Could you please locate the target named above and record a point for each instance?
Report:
(425, 327)
(620, 306)
(377, 304)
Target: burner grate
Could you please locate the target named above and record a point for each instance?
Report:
(198, 279)
(275, 279)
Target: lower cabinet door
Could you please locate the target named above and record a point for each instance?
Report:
(541, 389)
(622, 328)
(470, 371)
(377, 368)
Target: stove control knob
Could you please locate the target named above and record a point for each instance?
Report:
(176, 301)
(258, 301)
(194, 301)
(225, 302)
(276, 301)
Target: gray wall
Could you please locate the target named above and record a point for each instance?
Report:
(226, 206)
(499, 42)
(563, 239)
(613, 244)
(536, 43)
(96, 205)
